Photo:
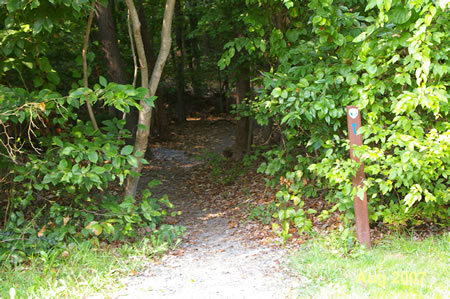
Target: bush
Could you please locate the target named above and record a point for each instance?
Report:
(390, 58)
(60, 184)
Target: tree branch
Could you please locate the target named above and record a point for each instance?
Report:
(133, 50)
(145, 115)
(85, 72)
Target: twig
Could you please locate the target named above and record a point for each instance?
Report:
(85, 72)
(13, 149)
(30, 131)
(133, 51)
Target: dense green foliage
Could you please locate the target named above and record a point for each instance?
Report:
(388, 57)
(60, 177)
(307, 60)
(58, 187)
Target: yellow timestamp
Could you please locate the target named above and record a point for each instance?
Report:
(404, 278)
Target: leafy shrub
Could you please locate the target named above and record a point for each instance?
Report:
(60, 186)
(389, 58)
(263, 213)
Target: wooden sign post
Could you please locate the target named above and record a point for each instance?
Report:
(360, 204)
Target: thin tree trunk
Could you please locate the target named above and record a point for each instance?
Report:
(146, 113)
(147, 37)
(179, 63)
(159, 115)
(110, 47)
(195, 53)
(85, 70)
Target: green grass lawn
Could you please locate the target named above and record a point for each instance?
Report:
(395, 268)
(79, 271)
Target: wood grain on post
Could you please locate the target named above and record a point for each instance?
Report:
(360, 204)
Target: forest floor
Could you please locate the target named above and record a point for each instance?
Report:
(222, 255)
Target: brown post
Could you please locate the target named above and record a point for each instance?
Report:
(360, 204)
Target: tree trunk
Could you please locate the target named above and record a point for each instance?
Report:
(110, 47)
(194, 63)
(85, 68)
(147, 37)
(160, 120)
(146, 113)
(243, 138)
(179, 63)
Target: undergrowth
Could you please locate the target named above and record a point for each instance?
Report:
(79, 270)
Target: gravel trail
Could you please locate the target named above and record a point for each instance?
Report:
(215, 260)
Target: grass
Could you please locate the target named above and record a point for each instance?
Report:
(81, 270)
(397, 268)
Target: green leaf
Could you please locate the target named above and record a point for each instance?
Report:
(126, 150)
(66, 151)
(276, 92)
(37, 82)
(9, 21)
(387, 5)
(37, 26)
(98, 169)
(288, 3)
(47, 179)
(133, 161)
(361, 37)
(103, 81)
(150, 101)
(93, 157)
(63, 164)
(58, 141)
(12, 5)
(292, 35)
(19, 178)
(372, 69)
(141, 127)
(116, 163)
(94, 227)
(352, 79)
(399, 15)
(303, 83)
(28, 64)
(372, 4)
(44, 64)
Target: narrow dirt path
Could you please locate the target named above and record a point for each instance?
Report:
(215, 260)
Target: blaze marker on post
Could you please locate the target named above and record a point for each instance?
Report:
(360, 204)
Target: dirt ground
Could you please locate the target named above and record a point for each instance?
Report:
(221, 255)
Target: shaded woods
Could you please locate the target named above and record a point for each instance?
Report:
(285, 70)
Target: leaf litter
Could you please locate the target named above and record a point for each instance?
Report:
(223, 255)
